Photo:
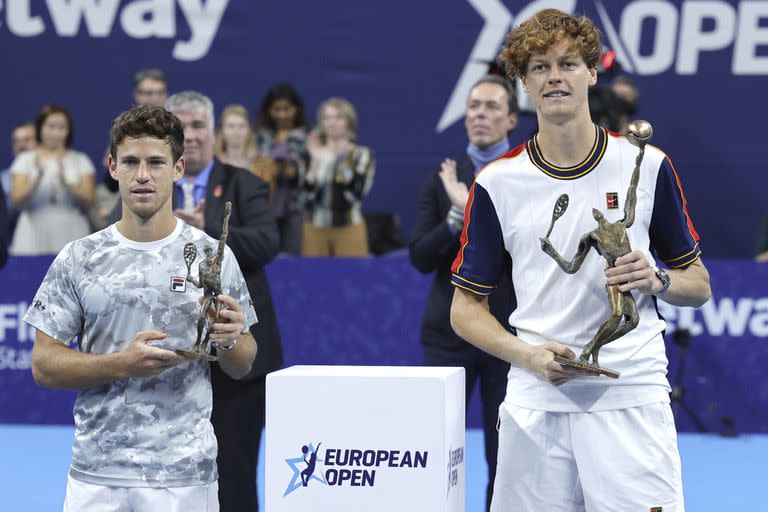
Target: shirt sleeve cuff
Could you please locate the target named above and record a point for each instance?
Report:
(684, 260)
(471, 286)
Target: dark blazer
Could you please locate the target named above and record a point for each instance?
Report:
(433, 248)
(254, 239)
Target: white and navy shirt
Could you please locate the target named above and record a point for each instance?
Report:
(510, 208)
(102, 290)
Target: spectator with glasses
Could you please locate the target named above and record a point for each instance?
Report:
(150, 86)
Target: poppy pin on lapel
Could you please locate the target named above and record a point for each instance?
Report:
(217, 191)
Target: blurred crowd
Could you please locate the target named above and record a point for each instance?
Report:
(318, 177)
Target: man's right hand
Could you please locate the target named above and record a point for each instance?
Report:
(140, 359)
(542, 362)
(457, 191)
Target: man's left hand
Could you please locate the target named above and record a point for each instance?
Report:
(230, 324)
(194, 217)
(634, 272)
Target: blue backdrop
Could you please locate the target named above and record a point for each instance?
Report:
(701, 68)
(349, 311)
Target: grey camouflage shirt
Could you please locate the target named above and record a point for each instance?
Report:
(102, 290)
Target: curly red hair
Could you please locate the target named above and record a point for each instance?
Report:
(544, 29)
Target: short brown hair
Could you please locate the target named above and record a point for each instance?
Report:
(544, 29)
(147, 120)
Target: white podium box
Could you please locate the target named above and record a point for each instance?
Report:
(357, 438)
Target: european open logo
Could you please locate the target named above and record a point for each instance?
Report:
(348, 467)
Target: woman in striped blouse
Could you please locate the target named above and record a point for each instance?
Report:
(340, 174)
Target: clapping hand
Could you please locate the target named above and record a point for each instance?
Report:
(457, 191)
(194, 217)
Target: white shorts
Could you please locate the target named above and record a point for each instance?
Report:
(619, 461)
(85, 497)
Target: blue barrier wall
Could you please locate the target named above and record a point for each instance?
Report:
(368, 312)
(407, 66)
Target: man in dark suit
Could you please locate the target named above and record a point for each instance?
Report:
(238, 405)
(491, 114)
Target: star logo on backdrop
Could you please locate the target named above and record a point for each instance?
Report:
(497, 21)
(298, 465)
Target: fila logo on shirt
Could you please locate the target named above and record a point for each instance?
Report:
(178, 284)
(612, 200)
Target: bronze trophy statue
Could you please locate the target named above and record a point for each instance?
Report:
(209, 279)
(611, 241)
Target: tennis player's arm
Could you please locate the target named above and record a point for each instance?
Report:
(237, 362)
(229, 331)
(688, 286)
(55, 365)
(472, 320)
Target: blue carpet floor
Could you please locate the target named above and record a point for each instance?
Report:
(718, 473)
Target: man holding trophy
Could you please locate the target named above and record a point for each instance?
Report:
(143, 438)
(571, 439)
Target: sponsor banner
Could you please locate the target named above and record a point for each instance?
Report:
(21, 400)
(697, 65)
(358, 312)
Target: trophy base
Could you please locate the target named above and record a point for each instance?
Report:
(587, 367)
(195, 355)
